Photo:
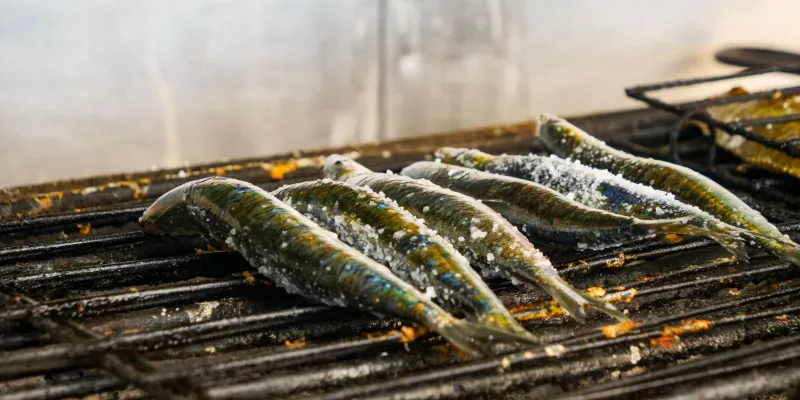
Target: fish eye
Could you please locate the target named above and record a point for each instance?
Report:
(338, 162)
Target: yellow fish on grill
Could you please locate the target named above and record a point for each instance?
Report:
(756, 153)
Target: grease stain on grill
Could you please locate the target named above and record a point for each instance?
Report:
(539, 310)
(621, 296)
(203, 311)
(617, 262)
(295, 344)
(596, 291)
(616, 330)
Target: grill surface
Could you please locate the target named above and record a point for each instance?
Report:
(92, 306)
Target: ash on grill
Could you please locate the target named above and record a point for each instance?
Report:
(92, 306)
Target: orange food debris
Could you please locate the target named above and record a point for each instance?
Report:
(279, 169)
(665, 342)
(44, 202)
(782, 317)
(552, 311)
(410, 333)
(81, 309)
(644, 278)
(623, 296)
(612, 331)
(251, 280)
(734, 291)
(617, 262)
(687, 326)
(17, 299)
(527, 307)
(596, 291)
(108, 332)
(294, 344)
(85, 229)
(784, 283)
(407, 334)
(209, 249)
(673, 238)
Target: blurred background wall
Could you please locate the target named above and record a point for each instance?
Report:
(94, 87)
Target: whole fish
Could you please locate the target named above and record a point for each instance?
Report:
(478, 232)
(384, 231)
(567, 140)
(301, 256)
(752, 152)
(599, 189)
(544, 213)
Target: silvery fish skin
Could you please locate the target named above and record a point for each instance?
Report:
(299, 255)
(378, 227)
(599, 189)
(545, 213)
(482, 235)
(752, 152)
(567, 140)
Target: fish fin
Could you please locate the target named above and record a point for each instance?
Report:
(484, 337)
(790, 251)
(478, 340)
(574, 301)
(727, 237)
(790, 254)
(604, 307)
(565, 295)
(507, 323)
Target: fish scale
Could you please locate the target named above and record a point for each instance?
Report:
(377, 226)
(567, 140)
(474, 229)
(544, 213)
(301, 256)
(598, 189)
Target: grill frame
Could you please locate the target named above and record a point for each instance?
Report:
(30, 270)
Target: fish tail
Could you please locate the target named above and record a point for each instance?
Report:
(575, 302)
(778, 245)
(790, 253)
(506, 322)
(478, 340)
(727, 236)
(602, 306)
(731, 241)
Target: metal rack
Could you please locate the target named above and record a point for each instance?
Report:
(110, 310)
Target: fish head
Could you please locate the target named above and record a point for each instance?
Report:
(169, 215)
(470, 158)
(339, 167)
(558, 135)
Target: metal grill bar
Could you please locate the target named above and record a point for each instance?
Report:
(520, 360)
(696, 109)
(622, 387)
(26, 252)
(121, 369)
(247, 333)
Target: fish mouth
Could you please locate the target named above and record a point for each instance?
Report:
(149, 226)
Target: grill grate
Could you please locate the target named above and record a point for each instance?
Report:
(91, 306)
(696, 109)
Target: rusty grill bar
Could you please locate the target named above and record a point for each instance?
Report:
(91, 306)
